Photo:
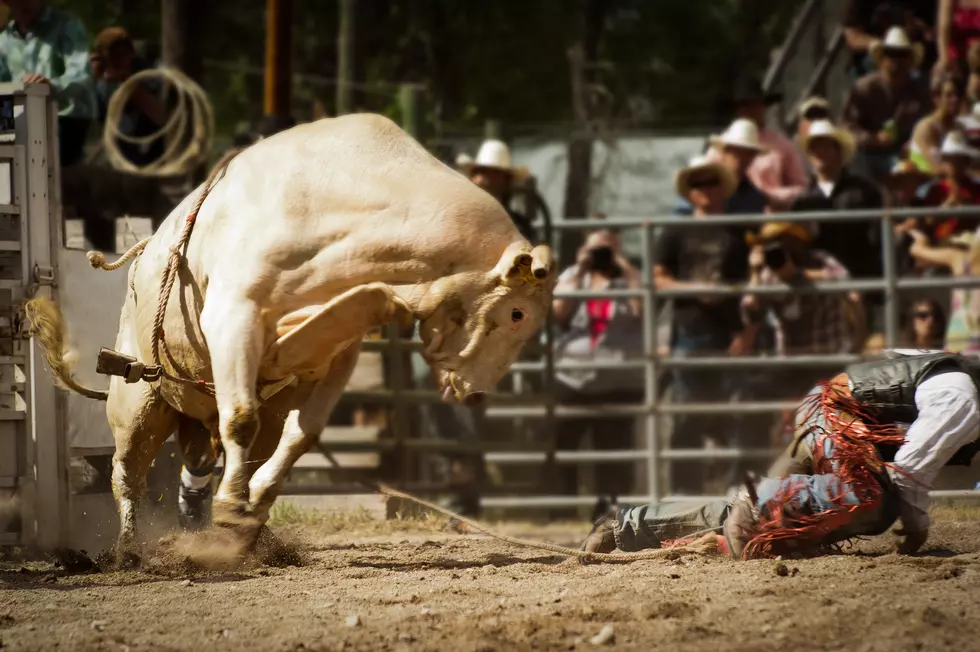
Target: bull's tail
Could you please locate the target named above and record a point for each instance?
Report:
(48, 326)
(97, 259)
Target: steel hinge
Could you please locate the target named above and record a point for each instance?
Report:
(41, 276)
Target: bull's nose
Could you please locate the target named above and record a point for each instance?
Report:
(474, 399)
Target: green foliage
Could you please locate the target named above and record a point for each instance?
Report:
(662, 62)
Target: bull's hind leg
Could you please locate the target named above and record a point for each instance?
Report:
(141, 421)
(233, 328)
(302, 428)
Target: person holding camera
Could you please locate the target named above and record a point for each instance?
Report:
(599, 329)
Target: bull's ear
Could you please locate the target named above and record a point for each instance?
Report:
(515, 261)
(542, 262)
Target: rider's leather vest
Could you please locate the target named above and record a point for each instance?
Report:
(887, 388)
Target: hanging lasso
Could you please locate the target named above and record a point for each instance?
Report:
(192, 112)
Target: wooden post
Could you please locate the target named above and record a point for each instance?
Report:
(345, 57)
(278, 60)
(408, 100)
(181, 30)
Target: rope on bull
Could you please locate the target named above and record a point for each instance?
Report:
(192, 110)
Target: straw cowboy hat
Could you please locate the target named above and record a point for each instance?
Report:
(955, 144)
(493, 154)
(827, 129)
(773, 230)
(741, 133)
(896, 39)
(701, 164)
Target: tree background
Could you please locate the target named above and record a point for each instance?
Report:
(665, 64)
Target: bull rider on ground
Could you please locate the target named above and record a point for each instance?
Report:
(850, 471)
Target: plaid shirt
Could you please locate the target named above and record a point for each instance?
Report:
(56, 46)
(804, 323)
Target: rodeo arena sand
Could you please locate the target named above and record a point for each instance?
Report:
(352, 583)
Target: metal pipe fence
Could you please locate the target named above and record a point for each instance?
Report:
(546, 407)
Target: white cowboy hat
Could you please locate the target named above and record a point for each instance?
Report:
(896, 39)
(955, 144)
(827, 129)
(741, 133)
(702, 164)
(492, 154)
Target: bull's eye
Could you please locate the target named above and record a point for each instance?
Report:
(516, 315)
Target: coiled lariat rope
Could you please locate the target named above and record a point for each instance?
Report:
(192, 109)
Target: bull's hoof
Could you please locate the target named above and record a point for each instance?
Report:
(193, 508)
(240, 520)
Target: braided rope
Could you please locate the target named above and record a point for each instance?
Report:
(704, 545)
(97, 259)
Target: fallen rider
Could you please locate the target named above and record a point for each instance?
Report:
(849, 471)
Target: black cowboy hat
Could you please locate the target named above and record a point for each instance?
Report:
(749, 89)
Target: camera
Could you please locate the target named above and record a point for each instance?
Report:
(775, 256)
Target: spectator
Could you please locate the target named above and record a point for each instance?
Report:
(782, 255)
(815, 108)
(737, 149)
(777, 169)
(927, 138)
(492, 171)
(969, 124)
(973, 70)
(868, 20)
(903, 184)
(957, 29)
(833, 187)
(955, 187)
(113, 62)
(702, 258)
(599, 329)
(961, 256)
(884, 106)
(48, 45)
(925, 327)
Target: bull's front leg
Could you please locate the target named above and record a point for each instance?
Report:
(233, 327)
(301, 430)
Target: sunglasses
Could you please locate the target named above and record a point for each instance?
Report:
(708, 182)
(923, 315)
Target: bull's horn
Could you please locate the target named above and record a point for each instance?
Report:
(542, 262)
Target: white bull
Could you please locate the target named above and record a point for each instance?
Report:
(309, 240)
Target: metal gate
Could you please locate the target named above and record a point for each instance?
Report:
(33, 470)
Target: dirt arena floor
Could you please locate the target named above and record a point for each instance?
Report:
(355, 584)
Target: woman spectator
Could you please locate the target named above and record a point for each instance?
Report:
(930, 131)
(599, 329)
(955, 187)
(957, 28)
(925, 327)
(962, 258)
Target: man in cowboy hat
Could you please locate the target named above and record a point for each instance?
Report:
(492, 171)
(884, 106)
(778, 169)
(737, 148)
(814, 108)
(955, 185)
(689, 258)
(830, 150)
(866, 21)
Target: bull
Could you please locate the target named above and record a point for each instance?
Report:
(304, 243)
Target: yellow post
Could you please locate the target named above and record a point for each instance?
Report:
(278, 46)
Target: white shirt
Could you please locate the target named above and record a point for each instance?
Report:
(826, 187)
(949, 418)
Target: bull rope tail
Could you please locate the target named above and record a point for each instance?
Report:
(707, 544)
(97, 259)
(170, 274)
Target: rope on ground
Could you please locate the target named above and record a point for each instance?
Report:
(704, 545)
(192, 111)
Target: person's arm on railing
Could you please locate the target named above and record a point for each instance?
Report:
(947, 257)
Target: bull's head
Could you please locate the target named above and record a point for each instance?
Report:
(473, 325)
